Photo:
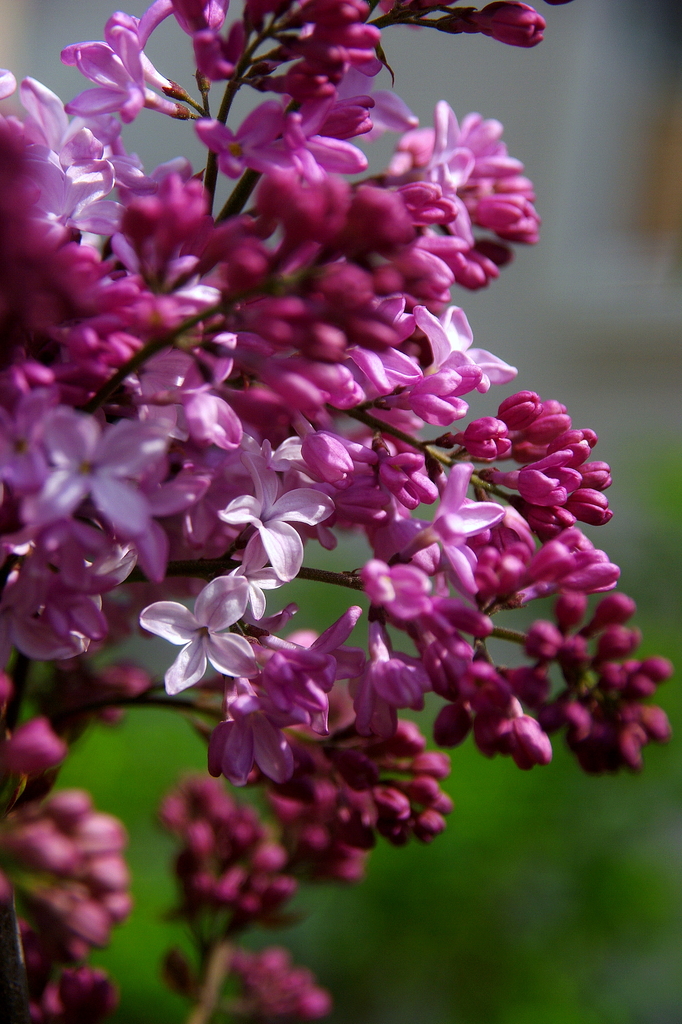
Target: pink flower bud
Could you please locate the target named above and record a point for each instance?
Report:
(552, 422)
(612, 610)
(596, 475)
(589, 506)
(570, 610)
(617, 642)
(33, 748)
(485, 438)
(655, 721)
(520, 410)
(531, 744)
(391, 803)
(452, 725)
(543, 641)
(433, 763)
(513, 23)
(429, 824)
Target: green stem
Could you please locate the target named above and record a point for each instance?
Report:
(239, 195)
(149, 349)
(209, 568)
(513, 635)
(231, 90)
(424, 446)
(137, 702)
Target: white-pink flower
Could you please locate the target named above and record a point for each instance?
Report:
(219, 605)
(451, 337)
(86, 460)
(271, 515)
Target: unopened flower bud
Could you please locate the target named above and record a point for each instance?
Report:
(520, 410)
(433, 763)
(612, 610)
(32, 748)
(452, 725)
(391, 803)
(543, 641)
(570, 610)
(485, 438)
(429, 824)
(589, 506)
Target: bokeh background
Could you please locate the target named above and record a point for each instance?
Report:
(553, 898)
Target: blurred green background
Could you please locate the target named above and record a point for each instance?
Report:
(552, 898)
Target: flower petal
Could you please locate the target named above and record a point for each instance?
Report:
(188, 668)
(232, 655)
(222, 602)
(170, 620)
(284, 548)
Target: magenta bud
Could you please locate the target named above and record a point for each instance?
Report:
(520, 410)
(33, 748)
(86, 995)
(532, 745)
(547, 521)
(356, 769)
(391, 803)
(200, 838)
(612, 610)
(485, 438)
(100, 833)
(408, 740)
(631, 739)
(429, 824)
(423, 789)
(658, 669)
(281, 889)
(269, 857)
(596, 475)
(513, 23)
(543, 641)
(589, 506)
(108, 872)
(68, 807)
(570, 610)
(655, 722)
(529, 684)
(574, 652)
(553, 421)
(617, 642)
(433, 763)
(452, 725)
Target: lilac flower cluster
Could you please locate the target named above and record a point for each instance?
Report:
(65, 859)
(72, 995)
(190, 399)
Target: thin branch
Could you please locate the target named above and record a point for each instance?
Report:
(144, 353)
(239, 195)
(170, 704)
(209, 568)
(14, 1006)
(513, 635)
(217, 969)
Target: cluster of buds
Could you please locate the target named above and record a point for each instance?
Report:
(273, 989)
(607, 725)
(341, 795)
(69, 995)
(227, 862)
(198, 397)
(65, 859)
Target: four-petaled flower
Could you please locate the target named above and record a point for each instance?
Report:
(271, 515)
(219, 605)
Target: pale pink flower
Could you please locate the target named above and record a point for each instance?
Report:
(219, 605)
(271, 514)
(87, 460)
